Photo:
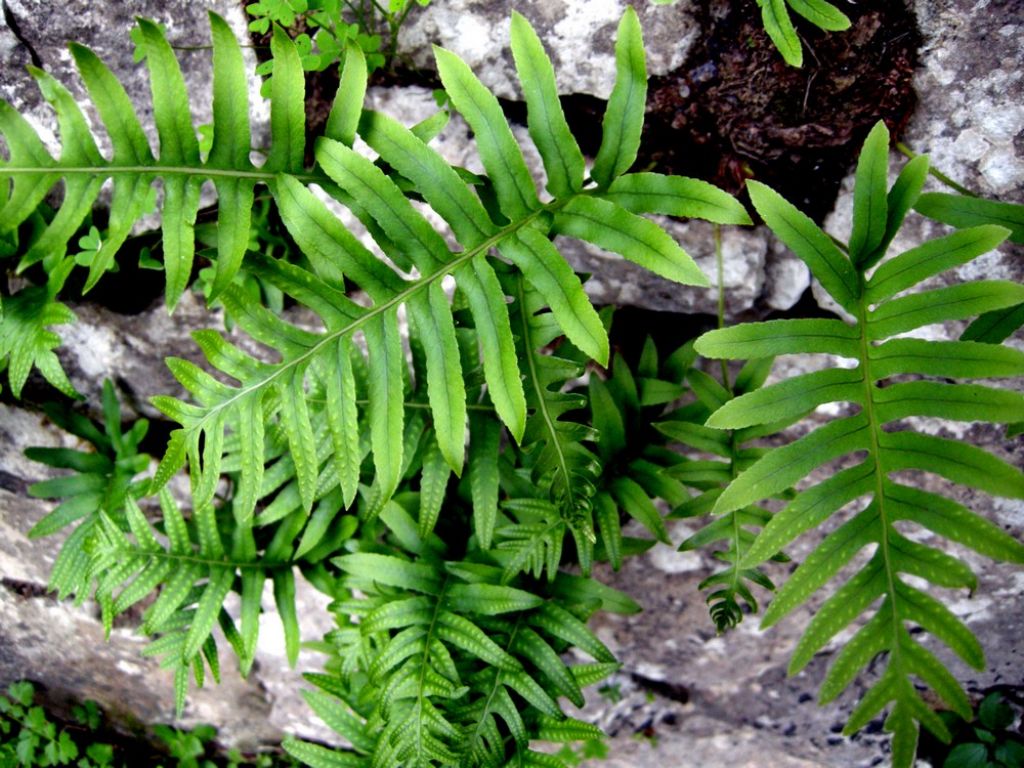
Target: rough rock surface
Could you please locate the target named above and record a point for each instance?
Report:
(970, 122)
(478, 32)
(31, 32)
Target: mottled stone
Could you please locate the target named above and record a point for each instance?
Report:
(579, 37)
(129, 349)
(39, 36)
(972, 93)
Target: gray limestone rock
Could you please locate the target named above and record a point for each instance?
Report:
(970, 122)
(34, 32)
(479, 33)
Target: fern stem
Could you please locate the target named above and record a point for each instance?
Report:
(538, 386)
(737, 541)
(498, 682)
(874, 427)
(935, 172)
(204, 561)
(160, 170)
(720, 265)
(427, 641)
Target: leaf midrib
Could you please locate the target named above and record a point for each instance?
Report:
(499, 682)
(428, 638)
(542, 404)
(875, 454)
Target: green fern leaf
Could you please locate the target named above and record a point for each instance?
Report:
(134, 167)
(881, 402)
(779, 25)
(624, 115)
(444, 664)
(964, 211)
(563, 160)
(26, 340)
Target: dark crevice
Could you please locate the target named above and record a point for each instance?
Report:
(25, 589)
(131, 289)
(663, 688)
(12, 24)
(157, 437)
(13, 484)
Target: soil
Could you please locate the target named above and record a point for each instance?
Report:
(735, 110)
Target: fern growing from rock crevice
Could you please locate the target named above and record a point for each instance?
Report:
(337, 448)
(291, 417)
(879, 389)
(605, 215)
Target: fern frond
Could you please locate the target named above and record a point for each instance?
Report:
(520, 232)
(193, 574)
(445, 648)
(882, 397)
(115, 554)
(562, 470)
(133, 166)
(26, 340)
(732, 452)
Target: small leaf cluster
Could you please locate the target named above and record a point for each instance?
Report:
(443, 662)
(325, 33)
(101, 482)
(29, 738)
(989, 741)
(778, 23)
